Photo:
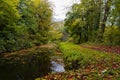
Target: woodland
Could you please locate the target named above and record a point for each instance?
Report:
(86, 43)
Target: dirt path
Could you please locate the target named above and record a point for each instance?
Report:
(23, 51)
(103, 48)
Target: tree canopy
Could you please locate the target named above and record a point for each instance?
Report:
(88, 20)
(24, 23)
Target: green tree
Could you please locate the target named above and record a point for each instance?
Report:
(8, 23)
(44, 18)
(87, 20)
(24, 23)
(8, 13)
(80, 22)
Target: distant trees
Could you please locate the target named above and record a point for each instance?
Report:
(56, 31)
(44, 15)
(87, 20)
(24, 23)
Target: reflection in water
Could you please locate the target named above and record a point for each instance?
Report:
(25, 67)
(57, 67)
(57, 63)
(29, 66)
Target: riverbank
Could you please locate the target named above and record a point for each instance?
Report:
(86, 64)
(64, 62)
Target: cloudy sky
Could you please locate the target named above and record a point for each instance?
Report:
(61, 7)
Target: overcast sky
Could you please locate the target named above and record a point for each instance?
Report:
(61, 7)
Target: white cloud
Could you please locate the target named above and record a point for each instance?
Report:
(61, 7)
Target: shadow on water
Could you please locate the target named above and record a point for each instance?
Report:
(26, 66)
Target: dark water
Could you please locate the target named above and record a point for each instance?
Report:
(30, 66)
(25, 67)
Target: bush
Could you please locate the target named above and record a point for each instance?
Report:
(112, 36)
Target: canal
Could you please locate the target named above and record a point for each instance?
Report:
(30, 65)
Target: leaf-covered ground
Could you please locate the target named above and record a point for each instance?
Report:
(85, 74)
(110, 49)
(87, 64)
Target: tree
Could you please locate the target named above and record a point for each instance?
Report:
(8, 13)
(37, 25)
(8, 23)
(80, 22)
(44, 18)
(24, 23)
(106, 9)
(88, 20)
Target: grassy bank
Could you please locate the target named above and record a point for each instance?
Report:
(87, 64)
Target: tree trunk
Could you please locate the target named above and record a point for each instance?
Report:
(104, 19)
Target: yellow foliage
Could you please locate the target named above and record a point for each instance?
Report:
(55, 35)
(36, 3)
(76, 22)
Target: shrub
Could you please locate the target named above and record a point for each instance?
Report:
(112, 36)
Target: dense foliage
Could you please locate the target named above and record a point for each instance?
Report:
(28, 23)
(112, 36)
(24, 23)
(87, 21)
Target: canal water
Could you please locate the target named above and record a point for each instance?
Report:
(57, 64)
(30, 66)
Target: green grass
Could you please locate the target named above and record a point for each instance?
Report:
(90, 62)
